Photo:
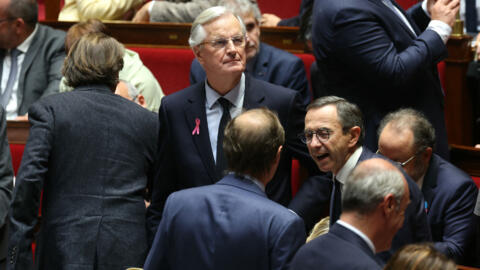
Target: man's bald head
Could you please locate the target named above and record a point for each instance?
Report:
(252, 141)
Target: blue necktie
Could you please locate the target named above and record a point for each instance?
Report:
(11, 78)
(221, 163)
(470, 16)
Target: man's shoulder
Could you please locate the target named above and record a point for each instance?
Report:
(324, 250)
(278, 55)
(269, 88)
(51, 33)
(450, 177)
(184, 94)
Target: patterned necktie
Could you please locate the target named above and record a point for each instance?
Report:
(335, 202)
(221, 163)
(470, 16)
(11, 78)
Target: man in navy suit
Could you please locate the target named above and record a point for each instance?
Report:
(334, 136)
(232, 224)
(191, 120)
(376, 56)
(374, 200)
(264, 62)
(407, 137)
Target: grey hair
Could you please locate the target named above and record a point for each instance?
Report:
(349, 114)
(243, 7)
(25, 9)
(133, 92)
(198, 33)
(367, 186)
(422, 129)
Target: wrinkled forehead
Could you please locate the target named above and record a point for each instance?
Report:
(322, 117)
(226, 25)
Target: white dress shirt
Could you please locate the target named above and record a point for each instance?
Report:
(214, 110)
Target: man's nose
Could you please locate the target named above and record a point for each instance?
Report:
(315, 142)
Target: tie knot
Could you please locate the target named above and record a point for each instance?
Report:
(225, 103)
(14, 53)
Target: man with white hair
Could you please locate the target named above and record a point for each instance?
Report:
(127, 90)
(192, 120)
(264, 62)
(374, 200)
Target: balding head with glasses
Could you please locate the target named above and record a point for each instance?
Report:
(407, 138)
(218, 39)
(333, 131)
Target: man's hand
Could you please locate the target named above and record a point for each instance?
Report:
(269, 19)
(142, 14)
(22, 117)
(444, 10)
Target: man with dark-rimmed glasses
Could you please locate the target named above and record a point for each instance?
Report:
(408, 138)
(192, 120)
(334, 137)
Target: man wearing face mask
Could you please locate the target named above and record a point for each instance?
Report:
(264, 62)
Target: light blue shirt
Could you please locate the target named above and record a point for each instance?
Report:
(214, 110)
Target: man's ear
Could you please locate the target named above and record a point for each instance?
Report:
(141, 100)
(389, 204)
(355, 135)
(197, 51)
(19, 25)
(426, 155)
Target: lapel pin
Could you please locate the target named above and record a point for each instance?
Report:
(196, 130)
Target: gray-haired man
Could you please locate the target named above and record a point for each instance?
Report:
(192, 120)
(374, 201)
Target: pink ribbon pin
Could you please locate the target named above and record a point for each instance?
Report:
(197, 127)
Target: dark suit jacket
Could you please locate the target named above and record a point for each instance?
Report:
(312, 195)
(271, 65)
(40, 73)
(339, 249)
(372, 59)
(91, 151)
(450, 198)
(229, 225)
(186, 159)
(6, 184)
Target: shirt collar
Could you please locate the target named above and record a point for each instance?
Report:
(254, 180)
(23, 47)
(359, 233)
(352, 161)
(235, 95)
(420, 182)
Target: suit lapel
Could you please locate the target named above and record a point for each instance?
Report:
(392, 14)
(430, 182)
(2, 56)
(194, 111)
(260, 67)
(254, 96)
(412, 23)
(27, 62)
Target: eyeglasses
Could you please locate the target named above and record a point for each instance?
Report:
(322, 135)
(6, 19)
(220, 43)
(403, 164)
